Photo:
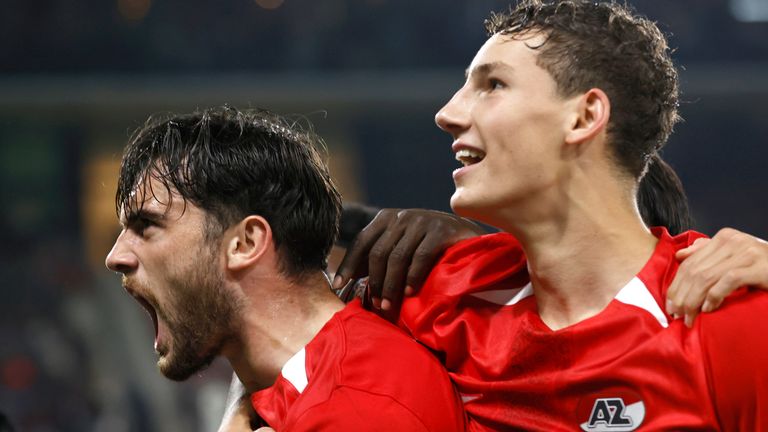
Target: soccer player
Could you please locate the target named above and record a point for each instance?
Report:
(563, 326)
(227, 219)
(396, 248)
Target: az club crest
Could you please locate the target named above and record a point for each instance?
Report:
(624, 412)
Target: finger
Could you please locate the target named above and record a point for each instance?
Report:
(424, 258)
(689, 317)
(378, 258)
(399, 261)
(355, 260)
(697, 272)
(730, 282)
(719, 272)
(714, 299)
(727, 284)
(711, 305)
(678, 290)
(686, 252)
(352, 265)
(729, 260)
(692, 304)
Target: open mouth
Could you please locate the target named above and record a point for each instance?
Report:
(469, 157)
(148, 307)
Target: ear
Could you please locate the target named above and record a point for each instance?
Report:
(593, 110)
(250, 240)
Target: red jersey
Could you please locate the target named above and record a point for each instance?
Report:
(360, 373)
(628, 367)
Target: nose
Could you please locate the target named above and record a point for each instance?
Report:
(453, 116)
(121, 259)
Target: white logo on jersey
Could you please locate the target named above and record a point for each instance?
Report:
(611, 415)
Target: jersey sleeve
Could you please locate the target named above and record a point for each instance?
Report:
(735, 351)
(350, 409)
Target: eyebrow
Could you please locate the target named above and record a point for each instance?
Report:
(134, 215)
(486, 68)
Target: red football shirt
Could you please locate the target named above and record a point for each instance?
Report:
(626, 368)
(360, 373)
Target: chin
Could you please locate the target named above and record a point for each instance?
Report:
(464, 207)
(172, 371)
(483, 212)
(458, 203)
(180, 369)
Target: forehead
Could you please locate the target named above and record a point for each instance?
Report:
(152, 195)
(514, 51)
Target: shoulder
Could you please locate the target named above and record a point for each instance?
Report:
(350, 408)
(662, 266)
(489, 263)
(384, 369)
(496, 244)
(370, 340)
(736, 355)
(737, 330)
(475, 263)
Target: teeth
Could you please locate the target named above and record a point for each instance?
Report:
(468, 157)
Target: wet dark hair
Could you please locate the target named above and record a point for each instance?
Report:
(606, 45)
(233, 164)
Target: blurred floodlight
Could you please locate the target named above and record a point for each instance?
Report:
(269, 4)
(133, 10)
(750, 10)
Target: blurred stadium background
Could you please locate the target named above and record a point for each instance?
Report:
(76, 77)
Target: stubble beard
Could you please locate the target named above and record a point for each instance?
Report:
(200, 322)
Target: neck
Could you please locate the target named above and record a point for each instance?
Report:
(583, 244)
(278, 318)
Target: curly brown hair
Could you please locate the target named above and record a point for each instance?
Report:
(605, 45)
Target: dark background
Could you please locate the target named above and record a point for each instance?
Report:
(76, 77)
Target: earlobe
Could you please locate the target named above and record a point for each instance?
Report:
(249, 241)
(591, 118)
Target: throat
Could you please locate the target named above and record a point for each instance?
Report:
(581, 282)
(559, 310)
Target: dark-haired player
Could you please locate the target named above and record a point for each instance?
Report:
(227, 219)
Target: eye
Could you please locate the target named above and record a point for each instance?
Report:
(495, 84)
(140, 225)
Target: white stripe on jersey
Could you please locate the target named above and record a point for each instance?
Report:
(505, 297)
(295, 371)
(469, 398)
(635, 293)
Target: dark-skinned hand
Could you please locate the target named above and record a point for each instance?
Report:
(398, 249)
